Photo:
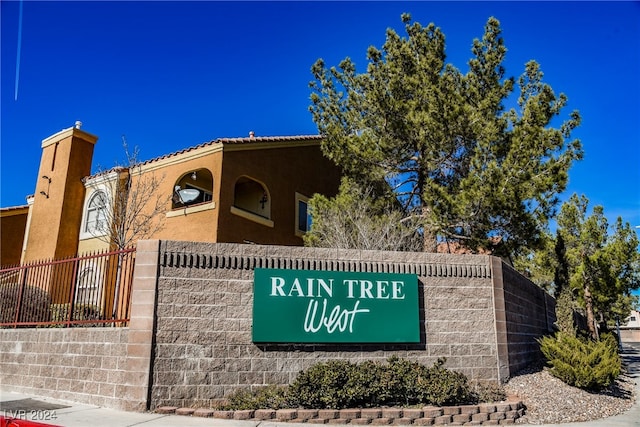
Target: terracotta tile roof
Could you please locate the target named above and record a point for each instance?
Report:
(13, 208)
(245, 140)
(267, 139)
(104, 172)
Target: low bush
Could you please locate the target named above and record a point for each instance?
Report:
(267, 397)
(35, 303)
(488, 392)
(440, 386)
(60, 312)
(581, 362)
(340, 384)
(400, 380)
(365, 387)
(323, 385)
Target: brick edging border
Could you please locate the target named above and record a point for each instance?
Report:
(471, 415)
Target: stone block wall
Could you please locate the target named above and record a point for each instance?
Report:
(530, 313)
(104, 366)
(79, 364)
(203, 349)
(189, 340)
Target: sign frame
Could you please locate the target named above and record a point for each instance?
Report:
(318, 307)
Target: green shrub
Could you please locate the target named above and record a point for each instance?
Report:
(410, 383)
(580, 362)
(364, 385)
(34, 304)
(437, 385)
(488, 392)
(322, 385)
(60, 312)
(267, 397)
(400, 381)
(341, 384)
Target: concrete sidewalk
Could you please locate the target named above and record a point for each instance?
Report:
(67, 414)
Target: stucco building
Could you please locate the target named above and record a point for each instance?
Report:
(630, 327)
(236, 190)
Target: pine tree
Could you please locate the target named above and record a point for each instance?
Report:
(583, 363)
(465, 168)
(603, 268)
(539, 264)
(563, 294)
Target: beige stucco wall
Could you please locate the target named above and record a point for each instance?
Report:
(13, 222)
(289, 169)
(197, 223)
(285, 172)
(286, 166)
(56, 214)
(107, 183)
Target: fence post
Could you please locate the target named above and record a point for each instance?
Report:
(74, 275)
(53, 279)
(116, 298)
(23, 285)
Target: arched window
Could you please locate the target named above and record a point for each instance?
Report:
(88, 283)
(96, 218)
(251, 196)
(193, 188)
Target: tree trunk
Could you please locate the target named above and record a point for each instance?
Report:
(429, 238)
(588, 306)
(429, 242)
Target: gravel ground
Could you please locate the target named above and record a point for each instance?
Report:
(550, 401)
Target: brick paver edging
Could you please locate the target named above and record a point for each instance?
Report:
(465, 415)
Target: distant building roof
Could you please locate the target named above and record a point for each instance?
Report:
(460, 249)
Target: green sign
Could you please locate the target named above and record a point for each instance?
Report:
(305, 306)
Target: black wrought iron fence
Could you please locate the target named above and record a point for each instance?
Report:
(91, 290)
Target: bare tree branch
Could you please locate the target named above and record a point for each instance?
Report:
(133, 204)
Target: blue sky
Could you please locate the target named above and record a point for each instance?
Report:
(169, 75)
